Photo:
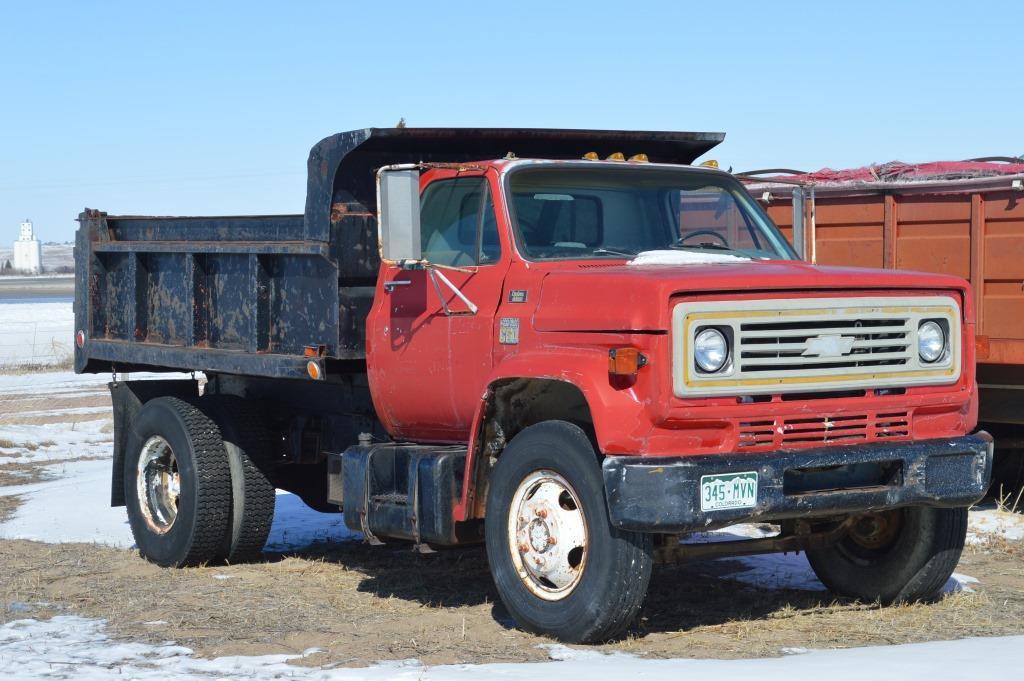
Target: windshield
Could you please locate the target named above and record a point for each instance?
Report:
(600, 212)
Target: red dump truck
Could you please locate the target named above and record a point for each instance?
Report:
(964, 218)
(570, 345)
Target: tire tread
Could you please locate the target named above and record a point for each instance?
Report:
(213, 483)
(247, 425)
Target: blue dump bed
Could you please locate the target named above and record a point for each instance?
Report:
(240, 295)
(248, 295)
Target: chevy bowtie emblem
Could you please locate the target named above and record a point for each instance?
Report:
(829, 345)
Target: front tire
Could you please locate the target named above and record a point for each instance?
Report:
(897, 556)
(559, 566)
(177, 484)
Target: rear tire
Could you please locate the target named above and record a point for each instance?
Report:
(588, 584)
(898, 556)
(248, 448)
(177, 484)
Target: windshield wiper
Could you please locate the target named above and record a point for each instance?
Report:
(706, 245)
(612, 251)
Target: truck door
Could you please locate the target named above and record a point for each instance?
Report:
(429, 355)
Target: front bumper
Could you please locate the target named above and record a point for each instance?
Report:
(663, 494)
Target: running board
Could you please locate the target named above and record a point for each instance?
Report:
(401, 491)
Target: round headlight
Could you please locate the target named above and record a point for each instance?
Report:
(931, 341)
(710, 350)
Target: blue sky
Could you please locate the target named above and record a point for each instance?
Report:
(208, 108)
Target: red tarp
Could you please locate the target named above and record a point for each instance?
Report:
(896, 171)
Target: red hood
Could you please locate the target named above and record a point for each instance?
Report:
(619, 297)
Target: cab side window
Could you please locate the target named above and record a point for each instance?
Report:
(457, 223)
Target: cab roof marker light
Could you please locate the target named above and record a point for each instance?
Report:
(591, 156)
(639, 158)
(617, 156)
(710, 163)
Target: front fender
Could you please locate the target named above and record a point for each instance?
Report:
(620, 424)
(618, 412)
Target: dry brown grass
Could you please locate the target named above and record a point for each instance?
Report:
(21, 473)
(8, 505)
(65, 364)
(362, 604)
(1007, 501)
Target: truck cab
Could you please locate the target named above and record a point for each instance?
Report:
(578, 349)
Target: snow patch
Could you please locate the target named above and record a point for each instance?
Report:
(73, 505)
(68, 647)
(297, 526)
(958, 582)
(36, 333)
(684, 258)
(56, 441)
(994, 522)
(789, 571)
(769, 571)
(777, 571)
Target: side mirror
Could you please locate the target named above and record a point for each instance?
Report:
(398, 218)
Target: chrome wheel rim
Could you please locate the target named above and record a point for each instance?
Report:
(547, 535)
(158, 484)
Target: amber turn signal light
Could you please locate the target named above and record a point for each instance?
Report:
(314, 350)
(314, 370)
(625, 361)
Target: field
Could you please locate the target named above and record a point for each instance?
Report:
(56, 257)
(36, 322)
(77, 601)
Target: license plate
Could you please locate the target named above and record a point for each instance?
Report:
(728, 490)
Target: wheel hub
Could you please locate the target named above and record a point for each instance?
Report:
(158, 484)
(547, 535)
(877, 530)
(540, 534)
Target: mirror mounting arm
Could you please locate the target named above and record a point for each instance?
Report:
(434, 273)
(409, 264)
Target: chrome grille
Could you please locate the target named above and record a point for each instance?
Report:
(803, 345)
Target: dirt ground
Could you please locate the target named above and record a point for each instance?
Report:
(361, 604)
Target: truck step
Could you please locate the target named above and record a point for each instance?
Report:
(394, 498)
(399, 490)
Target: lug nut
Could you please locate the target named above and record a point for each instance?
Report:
(541, 513)
(552, 541)
(523, 548)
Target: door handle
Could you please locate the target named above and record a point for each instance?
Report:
(389, 286)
